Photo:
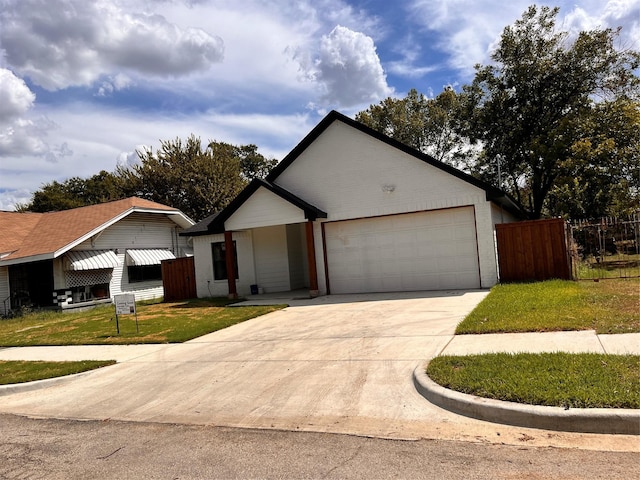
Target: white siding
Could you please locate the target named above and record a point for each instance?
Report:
(264, 209)
(4, 290)
(271, 259)
(137, 230)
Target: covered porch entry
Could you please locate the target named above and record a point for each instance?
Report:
(269, 239)
(282, 259)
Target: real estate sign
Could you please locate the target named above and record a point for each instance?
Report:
(125, 305)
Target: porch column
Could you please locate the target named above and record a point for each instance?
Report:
(231, 264)
(311, 260)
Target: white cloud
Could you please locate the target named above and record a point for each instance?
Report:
(63, 43)
(101, 140)
(27, 137)
(408, 66)
(114, 84)
(347, 68)
(19, 134)
(15, 97)
(469, 28)
(466, 28)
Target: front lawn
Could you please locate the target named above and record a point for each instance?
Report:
(158, 323)
(607, 306)
(20, 371)
(555, 379)
(559, 379)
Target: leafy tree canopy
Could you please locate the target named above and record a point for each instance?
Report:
(554, 120)
(426, 124)
(537, 110)
(74, 192)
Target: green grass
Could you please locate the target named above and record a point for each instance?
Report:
(158, 323)
(608, 306)
(609, 266)
(19, 371)
(555, 379)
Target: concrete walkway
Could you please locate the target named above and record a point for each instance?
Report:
(342, 364)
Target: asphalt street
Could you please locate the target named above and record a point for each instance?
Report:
(66, 449)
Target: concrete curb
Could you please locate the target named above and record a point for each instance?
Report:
(583, 420)
(40, 384)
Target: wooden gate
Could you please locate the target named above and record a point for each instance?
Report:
(533, 250)
(179, 279)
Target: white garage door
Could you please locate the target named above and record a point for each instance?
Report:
(417, 251)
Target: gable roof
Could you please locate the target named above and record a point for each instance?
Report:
(215, 223)
(493, 194)
(37, 236)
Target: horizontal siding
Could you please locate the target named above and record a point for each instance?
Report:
(138, 231)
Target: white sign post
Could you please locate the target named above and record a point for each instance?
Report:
(125, 305)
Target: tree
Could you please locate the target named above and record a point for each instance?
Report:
(602, 175)
(74, 192)
(530, 107)
(196, 180)
(428, 125)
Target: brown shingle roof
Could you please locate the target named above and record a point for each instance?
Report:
(34, 234)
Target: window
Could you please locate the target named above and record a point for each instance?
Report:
(219, 255)
(144, 273)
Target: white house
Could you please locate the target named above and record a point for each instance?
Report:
(350, 210)
(87, 255)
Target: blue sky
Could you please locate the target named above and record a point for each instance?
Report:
(85, 83)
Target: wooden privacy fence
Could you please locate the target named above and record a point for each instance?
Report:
(533, 250)
(179, 279)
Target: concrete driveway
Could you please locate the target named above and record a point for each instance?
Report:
(339, 364)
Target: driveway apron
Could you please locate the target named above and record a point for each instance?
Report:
(339, 364)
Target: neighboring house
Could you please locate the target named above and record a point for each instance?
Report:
(351, 210)
(87, 255)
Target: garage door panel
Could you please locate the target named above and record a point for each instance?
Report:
(416, 251)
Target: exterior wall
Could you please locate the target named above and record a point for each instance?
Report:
(271, 259)
(140, 230)
(349, 175)
(263, 209)
(297, 251)
(206, 285)
(4, 290)
(137, 230)
(486, 245)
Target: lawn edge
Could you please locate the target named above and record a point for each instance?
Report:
(45, 382)
(583, 420)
